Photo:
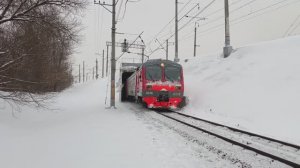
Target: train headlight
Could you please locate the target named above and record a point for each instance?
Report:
(178, 87)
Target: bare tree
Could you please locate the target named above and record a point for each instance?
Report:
(22, 10)
(36, 40)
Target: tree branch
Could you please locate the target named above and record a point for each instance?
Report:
(6, 9)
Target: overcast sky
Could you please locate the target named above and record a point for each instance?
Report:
(252, 21)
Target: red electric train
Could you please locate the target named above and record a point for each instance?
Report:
(156, 84)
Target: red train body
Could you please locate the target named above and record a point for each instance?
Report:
(156, 84)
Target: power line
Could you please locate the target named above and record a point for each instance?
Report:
(238, 20)
(184, 16)
(194, 17)
(101, 26)
(232, 11)
(294, 28)
(139, 36)
(97, 26)
(222, 9)
(124, 10)
(221, 17)
(289, 30)
(208, 5)
(189, 35)
(134, 1)
(119, 10)
(155, 36)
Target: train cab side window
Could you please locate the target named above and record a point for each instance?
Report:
(153, 72)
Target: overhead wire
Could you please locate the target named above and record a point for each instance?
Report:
(97, 26)
(201, 11)
(125, 8)
(139, 36)
(290, 28)
(232, 11)
(155, 36)
(219, 18)
(222, 9)
(298, 25)
(208, 5)
(101, 26)
(119, 10)
(186, 14)
(189, 34)
(134, 1)
(237, 20)
(194, 17)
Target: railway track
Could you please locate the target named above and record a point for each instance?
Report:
(283, 152)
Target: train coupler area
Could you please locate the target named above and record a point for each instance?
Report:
(163, 97)
(157, 102)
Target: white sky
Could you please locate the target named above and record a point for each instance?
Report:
(150, 16)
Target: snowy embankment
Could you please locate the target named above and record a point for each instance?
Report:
(78, 131)
(256, 89)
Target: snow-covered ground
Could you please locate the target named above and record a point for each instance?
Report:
(256, 89)
(78, 131)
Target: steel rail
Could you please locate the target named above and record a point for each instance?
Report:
(282, 160)
(241, 131)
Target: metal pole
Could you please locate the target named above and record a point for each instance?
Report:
(143, 55)
(167, 49)
(195, 40)
(83, 73)
(97, 75)
(113, 61)
(103, 64)
(79, 74)
(93, 73)
(176, 59)
(107, 60)
(227, 49)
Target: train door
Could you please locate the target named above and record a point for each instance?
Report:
(138, 84)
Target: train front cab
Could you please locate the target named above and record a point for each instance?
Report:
(163, 85)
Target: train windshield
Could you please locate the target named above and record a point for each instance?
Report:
(172, 73)
(153, 72)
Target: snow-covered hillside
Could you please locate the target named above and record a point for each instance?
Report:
(257, 88)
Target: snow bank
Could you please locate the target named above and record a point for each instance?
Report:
(79, 132)
(257, 88)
